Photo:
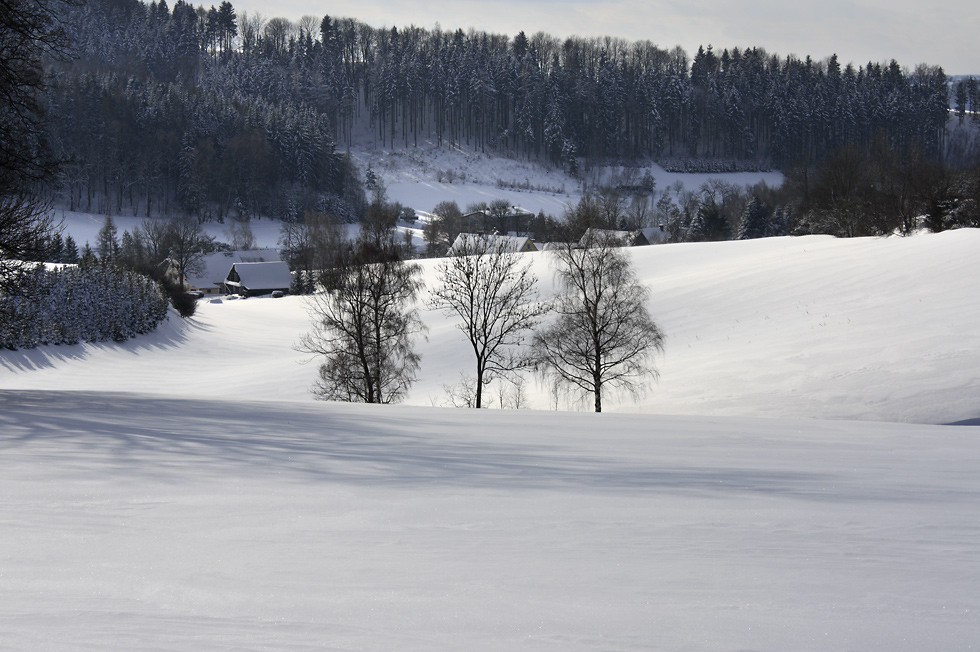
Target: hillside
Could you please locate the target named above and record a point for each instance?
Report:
(182, 491)
(136, 521)
(870, 328)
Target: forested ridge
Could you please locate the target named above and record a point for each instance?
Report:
(212, 113)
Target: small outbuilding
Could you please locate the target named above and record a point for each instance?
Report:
(508, 243)
(256, 279)
(624, 238)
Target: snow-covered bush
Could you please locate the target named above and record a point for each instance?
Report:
(74, 304)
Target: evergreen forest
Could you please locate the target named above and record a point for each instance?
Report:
(204, 111)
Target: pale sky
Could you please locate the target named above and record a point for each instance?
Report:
(858, 31)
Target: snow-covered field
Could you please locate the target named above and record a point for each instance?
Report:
(420, 177)
(142, 522)
(182, 491)
(872, 328)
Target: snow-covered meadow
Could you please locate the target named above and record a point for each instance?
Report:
(140, 521)
(183, 490)
(881, 329)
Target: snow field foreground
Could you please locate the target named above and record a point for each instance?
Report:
(884, 329)
(135, 521)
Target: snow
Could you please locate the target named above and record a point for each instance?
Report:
(781, 487)
(422, 176)
(215, 266)
(883, 329)
(418, 177)
(138, 521)
(263, 276)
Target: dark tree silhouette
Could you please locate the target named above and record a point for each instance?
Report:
(603, 336)
(491, 289)
(364, 324)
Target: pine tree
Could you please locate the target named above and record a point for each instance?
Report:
(107, 245)
(709, 223)
(70, 251)
(755, 221)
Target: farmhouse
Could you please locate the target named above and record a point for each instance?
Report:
(210, 276)
(255, 279)
(655, 233)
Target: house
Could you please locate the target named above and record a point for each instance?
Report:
(508, 243)
(655, 234)
(624, 238)
(255, 279)
(210, 276)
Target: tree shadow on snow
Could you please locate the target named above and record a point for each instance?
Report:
(171, 439)
(168, 335)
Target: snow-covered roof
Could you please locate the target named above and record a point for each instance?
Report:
(627, 238)
(509, 243)
(214, 267)
(655, 233)
(262, 276)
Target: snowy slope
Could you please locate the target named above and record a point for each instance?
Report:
(420, 177)
(182, 491)
(872, 329)
(137, 521)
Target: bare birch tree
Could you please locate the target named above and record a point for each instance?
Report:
(492, 291)
(603, 335)
(364, 324)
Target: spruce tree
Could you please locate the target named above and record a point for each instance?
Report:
(755, 221)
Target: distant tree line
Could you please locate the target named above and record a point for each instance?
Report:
(146, 122)
(213, 113)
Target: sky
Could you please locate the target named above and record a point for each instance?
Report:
(857, 31)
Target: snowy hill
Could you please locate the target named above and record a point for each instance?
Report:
(182, 490)
(872, 328)
(423, 176)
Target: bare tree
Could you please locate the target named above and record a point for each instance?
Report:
(152, 239)
(277, 33)
(492, 291)
(251, 27)
(24, 226)
(187, 245)
(603, 335)
(442, 229)
(310, 247)
(28, 32)
(308, 24)
(364, 324)
(240, 234)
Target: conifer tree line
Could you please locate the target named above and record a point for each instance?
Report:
(215, 113)
(146, 122)
(72, 304)
(113, 291)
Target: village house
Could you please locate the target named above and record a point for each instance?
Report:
(256, 279)
(509, 243)
(210, 275)
(625, 238)
(498, 219)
